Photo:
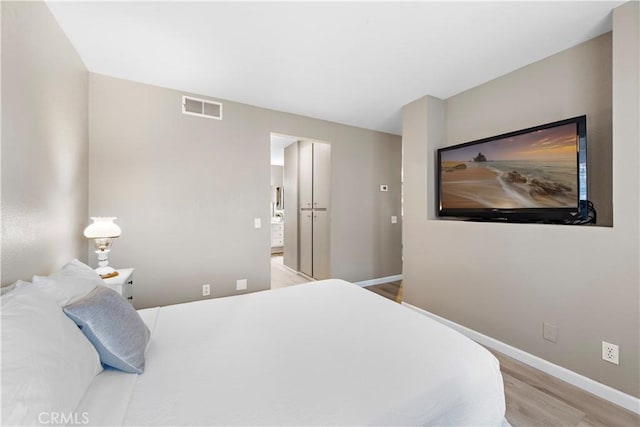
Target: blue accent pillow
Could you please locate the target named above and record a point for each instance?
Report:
(114, 328)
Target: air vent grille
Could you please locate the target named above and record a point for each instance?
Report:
(201, 108)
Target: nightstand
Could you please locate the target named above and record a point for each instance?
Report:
(122, 283)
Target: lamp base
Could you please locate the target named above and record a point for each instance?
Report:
(106, 272)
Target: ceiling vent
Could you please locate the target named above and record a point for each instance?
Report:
(201, 108)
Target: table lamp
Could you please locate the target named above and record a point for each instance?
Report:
(103, 230)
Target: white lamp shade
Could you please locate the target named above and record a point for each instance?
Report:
(103, 226)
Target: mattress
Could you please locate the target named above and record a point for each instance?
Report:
(322, 353)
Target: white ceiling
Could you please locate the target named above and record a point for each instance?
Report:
(356, 63)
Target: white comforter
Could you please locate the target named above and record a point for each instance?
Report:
(323, 353)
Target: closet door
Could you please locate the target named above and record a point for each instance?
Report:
(305, 234)
(290, 175)
(321, 175)
(321, 264)
(305, 174)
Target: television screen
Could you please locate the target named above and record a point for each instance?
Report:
(531, 174)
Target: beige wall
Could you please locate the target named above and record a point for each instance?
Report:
(276, 175)
(568, 84)
(44, 144)
(203, 182)
(505, 280)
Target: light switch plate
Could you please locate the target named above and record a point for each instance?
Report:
(257, 222)
(241, 284)
(384, 187)
(394, 219)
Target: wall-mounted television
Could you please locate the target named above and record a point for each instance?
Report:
(537, 174)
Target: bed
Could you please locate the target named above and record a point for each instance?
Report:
(322, 353)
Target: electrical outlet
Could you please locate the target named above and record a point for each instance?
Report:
(610, 352)
(549, 332)
(206, 289)
(241, 284)
(384, 187)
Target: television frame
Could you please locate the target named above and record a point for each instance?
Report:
(561, 215)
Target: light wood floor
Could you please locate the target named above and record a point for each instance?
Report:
(538, 399)
(391, 290)
(535, 398)
(281, 276)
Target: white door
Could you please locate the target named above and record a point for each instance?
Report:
(305, 234)
(305, 174)
(321, 175)
(321, 265)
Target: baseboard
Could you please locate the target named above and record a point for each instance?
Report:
(300, 273)
(594, 387)
(379, 280)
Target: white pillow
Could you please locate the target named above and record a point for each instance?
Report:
(7, 289)
(47, 363)
(69, 284)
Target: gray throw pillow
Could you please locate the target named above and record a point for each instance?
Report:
(114, 328)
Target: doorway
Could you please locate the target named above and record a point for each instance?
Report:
(281, 274)
(301, 176)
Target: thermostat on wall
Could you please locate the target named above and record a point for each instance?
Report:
(384, 187)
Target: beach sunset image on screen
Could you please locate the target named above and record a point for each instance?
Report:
(532, 170)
